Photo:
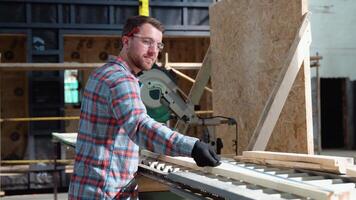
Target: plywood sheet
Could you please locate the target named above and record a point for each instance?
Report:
(249, 41)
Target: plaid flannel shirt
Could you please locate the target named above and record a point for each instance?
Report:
(113, 124)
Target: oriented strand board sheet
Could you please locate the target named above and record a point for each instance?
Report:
(250, 40)
(14, 97)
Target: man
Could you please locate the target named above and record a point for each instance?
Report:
(114, 123)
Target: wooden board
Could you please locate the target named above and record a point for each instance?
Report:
(293, 160)
(250, 41)
(321, 159)
(290, 164)
(351, 171)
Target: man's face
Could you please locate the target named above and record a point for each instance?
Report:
(143, 47)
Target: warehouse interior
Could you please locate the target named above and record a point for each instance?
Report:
(269, 85)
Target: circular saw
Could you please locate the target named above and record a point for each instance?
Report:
(159, 93)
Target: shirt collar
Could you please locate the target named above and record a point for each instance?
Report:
(118, 60)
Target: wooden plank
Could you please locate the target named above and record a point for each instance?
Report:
(296, 157)
(249, 42)
(351, 171)
(79, 66)
(47, 66)
(293, 165)
(254, 177)
(182, 65)
(69, 139)
(22, 162)
(278, 97)
(308, 103)
(186, 77)
(14, 169)
(316, 162)
(201, 80)
(198, 87)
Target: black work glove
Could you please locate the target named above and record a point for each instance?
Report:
(204, 155)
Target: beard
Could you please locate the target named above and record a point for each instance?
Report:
(142, 62)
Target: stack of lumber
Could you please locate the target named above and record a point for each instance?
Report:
(295, 160)
(230, 172)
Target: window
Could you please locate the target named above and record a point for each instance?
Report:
(71, 87)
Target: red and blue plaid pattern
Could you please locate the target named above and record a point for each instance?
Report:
(113, 124)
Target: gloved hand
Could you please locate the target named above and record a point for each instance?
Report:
(204, 155)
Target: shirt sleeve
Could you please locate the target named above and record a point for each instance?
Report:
(133, 120)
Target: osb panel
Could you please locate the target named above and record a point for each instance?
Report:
(90, 49)
(250, 40)
(71, 126)
(14, 98)
(13, 48)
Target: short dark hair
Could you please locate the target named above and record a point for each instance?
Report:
(133, 23)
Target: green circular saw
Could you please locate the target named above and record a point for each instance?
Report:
(154, 84)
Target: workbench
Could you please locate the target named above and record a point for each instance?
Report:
(237, 180)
